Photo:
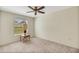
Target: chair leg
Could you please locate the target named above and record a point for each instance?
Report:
(29, 37)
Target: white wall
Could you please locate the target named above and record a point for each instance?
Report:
(0, 24)
(7, 27)
(60, 27)
(31, 27)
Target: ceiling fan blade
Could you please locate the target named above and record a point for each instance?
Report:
(30, 11)
(41, 8)
(30, 7)
(41, 12)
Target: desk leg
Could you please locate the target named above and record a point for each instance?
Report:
(20, 38)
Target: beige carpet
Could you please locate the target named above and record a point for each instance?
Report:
(37, 45)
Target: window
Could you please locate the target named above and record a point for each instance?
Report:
(19, 26)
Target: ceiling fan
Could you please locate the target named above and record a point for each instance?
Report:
(36, 9)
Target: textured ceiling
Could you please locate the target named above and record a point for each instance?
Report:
(24, 9)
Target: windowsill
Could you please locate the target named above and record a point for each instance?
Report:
(18, 34)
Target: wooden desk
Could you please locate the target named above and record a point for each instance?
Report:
(24, 37)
